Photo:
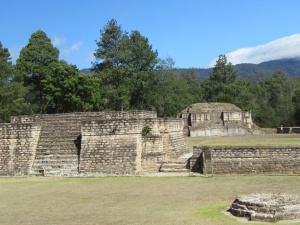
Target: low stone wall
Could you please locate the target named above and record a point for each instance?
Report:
(288, 130)
(18, 144)
(247, 160)
(229, 131)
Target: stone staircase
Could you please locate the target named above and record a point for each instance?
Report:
(180, 165)
(58, 149)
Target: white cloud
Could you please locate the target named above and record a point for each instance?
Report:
(286, 47)
(91, 57)
(58, 41)
(75, 47)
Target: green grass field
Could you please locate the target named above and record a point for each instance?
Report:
(140, 200)
(131, 200)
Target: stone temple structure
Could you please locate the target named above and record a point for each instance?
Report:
(89, 144)
(217, 119)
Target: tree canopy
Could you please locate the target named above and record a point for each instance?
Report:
(128, 75)
(34, 65)
(12, 100)
(121, 63)
(219, 85)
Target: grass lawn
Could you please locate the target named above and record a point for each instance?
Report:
(250, 140)
(140, 200)
(131, 200)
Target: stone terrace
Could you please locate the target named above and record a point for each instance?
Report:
(89, 144)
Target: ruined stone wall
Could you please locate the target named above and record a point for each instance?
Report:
(172, 132)
(152, 153)
(248, 160)
(247, 119)
(92, 143)
(117, 146)
(18, 144)
(165, 142)
(111, 147)
(232, 116)
(216, 119)
(185, 116)
(199, 118)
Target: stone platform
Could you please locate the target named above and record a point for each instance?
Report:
(267, 207)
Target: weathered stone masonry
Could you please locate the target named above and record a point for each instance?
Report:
(80, 144)
(117, 146)
(18, 143)
(217, 119)
(247, 160)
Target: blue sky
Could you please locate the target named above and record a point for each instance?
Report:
(192, 32)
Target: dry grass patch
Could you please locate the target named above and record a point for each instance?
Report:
(130, 200)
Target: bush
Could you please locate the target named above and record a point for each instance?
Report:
(146, 130)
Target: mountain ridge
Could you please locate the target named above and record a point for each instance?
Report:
(291, 66)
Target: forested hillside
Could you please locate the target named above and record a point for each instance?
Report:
(250, 71)
(128, 75)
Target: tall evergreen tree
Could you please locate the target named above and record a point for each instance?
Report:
(121, 62)
(219, 85)
(6, 67)
(34, 65)
(111, 50)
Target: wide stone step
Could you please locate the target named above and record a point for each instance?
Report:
(61, 133)
(57, 142)
(175, 161)
(57, 145)
(69, 123)
(53, 165)
(70, 155)
(44, 169)
(36, 173)
(49, 144)
(174, 166)
(55, 161)
(67, 132)
(57, 157)
(60, 127)
(45, 144)
(174, 170)
(54, 173)
(50, 141)
(66, 149)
